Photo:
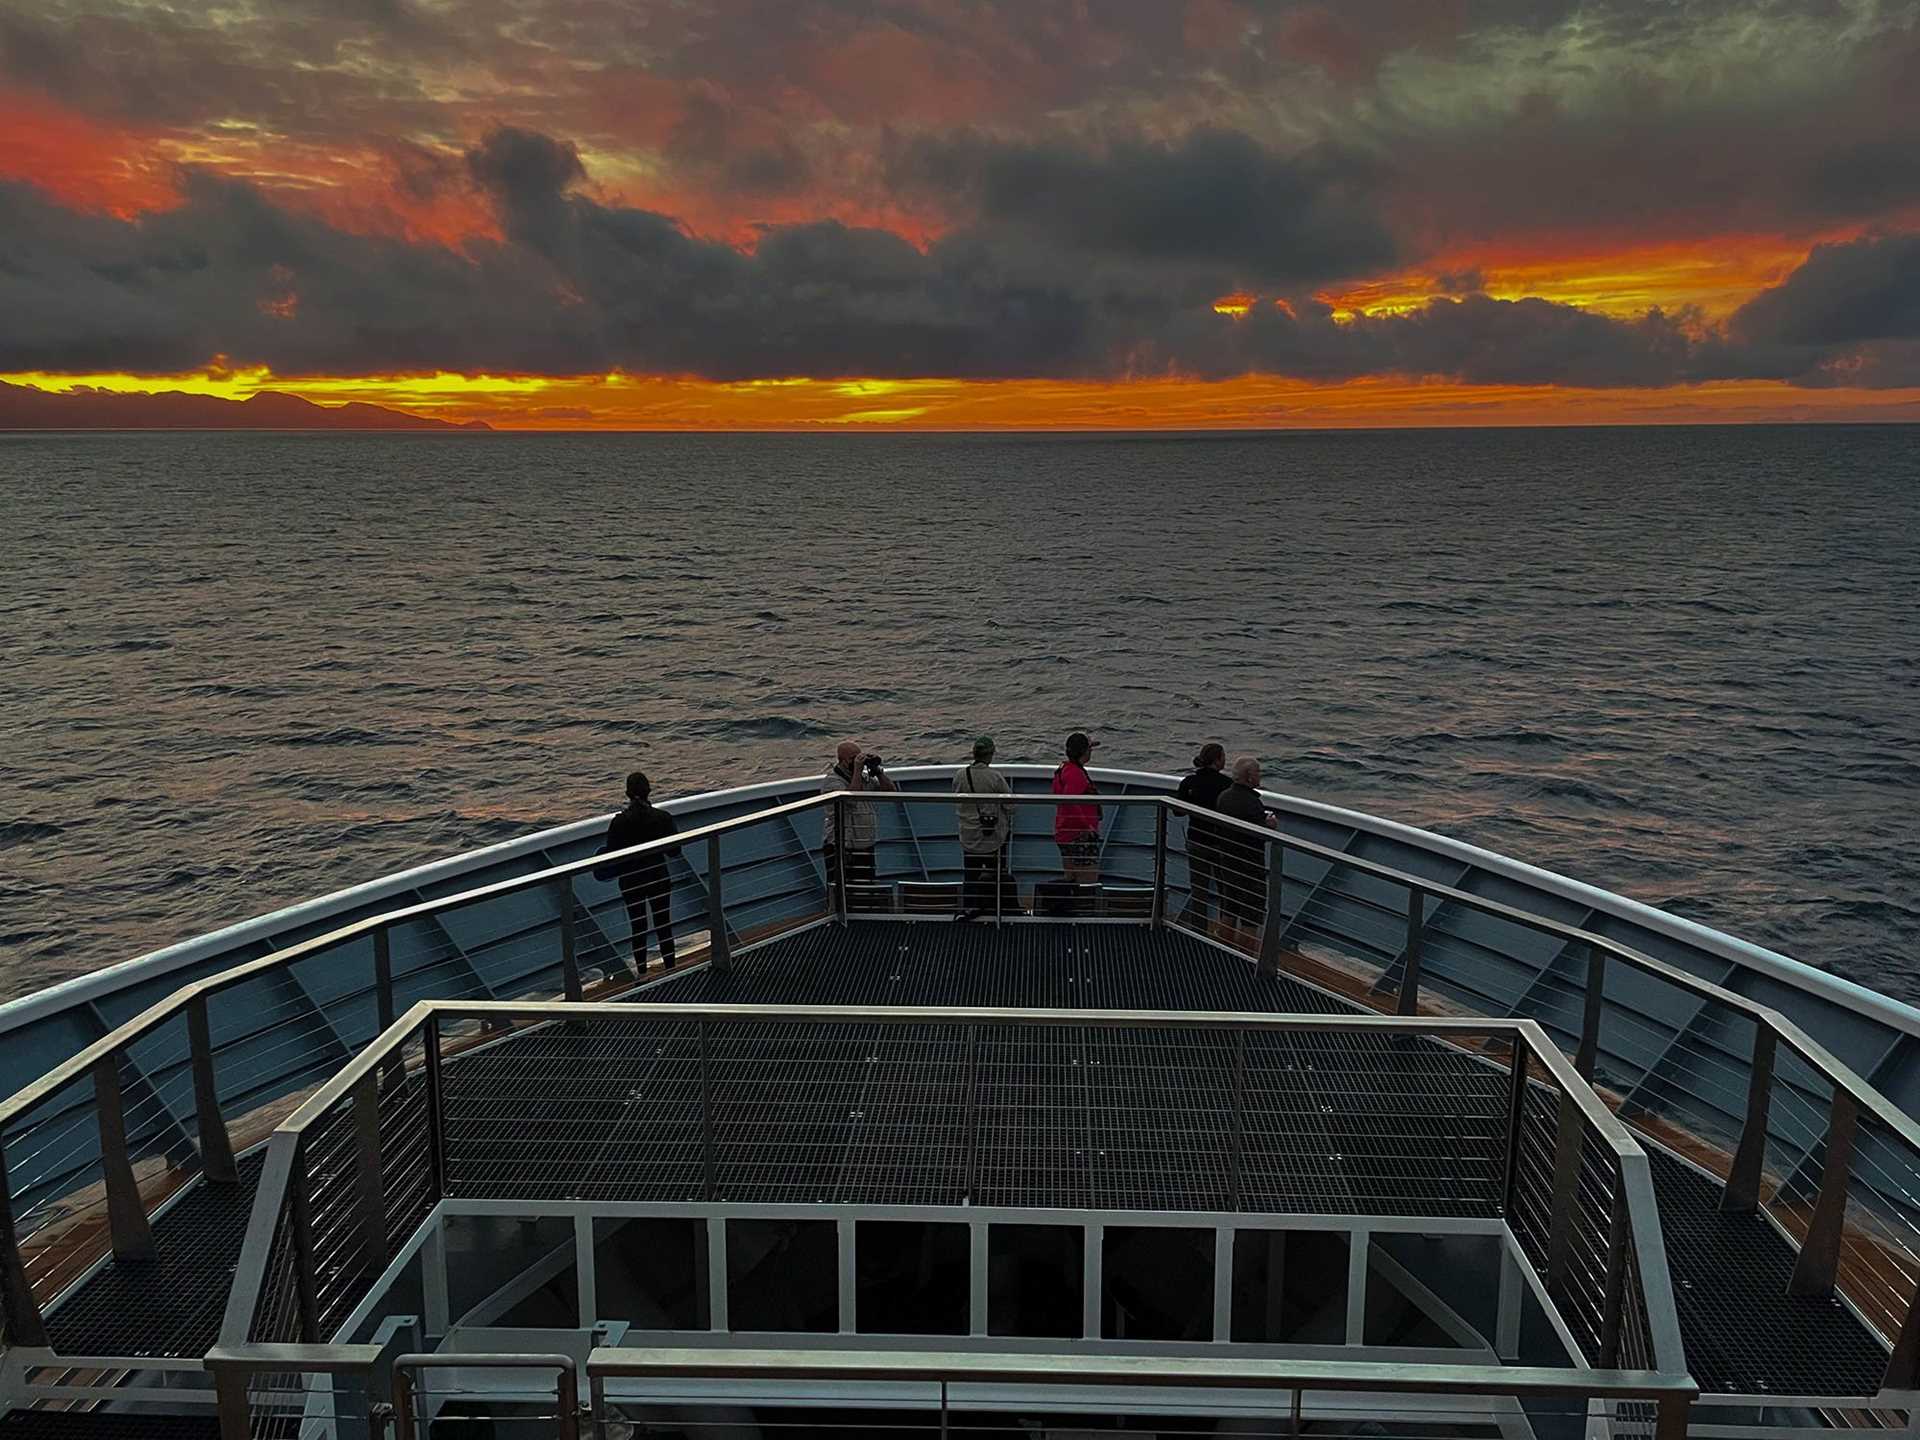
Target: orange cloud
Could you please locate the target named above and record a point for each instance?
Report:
(1716, 276)
(83, 164)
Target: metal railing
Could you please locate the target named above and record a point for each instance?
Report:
(413, 1401)
(928, 1392)
(897, 1105)
(1741, 1088)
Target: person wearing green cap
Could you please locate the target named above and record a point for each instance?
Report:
(984, 830)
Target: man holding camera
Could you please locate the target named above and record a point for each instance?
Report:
(849, 857)
(984, 828)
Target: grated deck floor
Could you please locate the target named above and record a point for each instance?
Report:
(1067, 1117)
(80, 1425)
(171, 1305)
(1077, 1116)
(1744, 1334)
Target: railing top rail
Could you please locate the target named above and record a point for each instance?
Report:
(1133, 1370)
(1650, 1254)
(316, 1359)
(486, 1360)
(1843, 1077)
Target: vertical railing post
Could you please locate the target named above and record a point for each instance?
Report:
(370, 1181)
(394, 1070)
(1672, 1417)
(1516, 1116)
(300, 1215)
(569, 943)
(1237, 1126)
(126, 1211)
(436, 1107)
(383, 974)
(1903, 1365)
(403, 1404)
(1819, 1258)
(837, 882)
(707, 1160)
(1409, 1002)
(973, 1114)
(216, 1147)
(18, 1308)
(1742, 1193)
(1616, 1291)
(1270, 931)
(1159, 865)
(230, 1396)
(1569, 1148)
(720, 950)
(567, 1393)
(1588, 1054)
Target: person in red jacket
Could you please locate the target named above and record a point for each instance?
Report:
(1076, 828)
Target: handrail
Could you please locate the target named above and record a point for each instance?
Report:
(1526, 1037)
(1816, 1054)
(1845, 1081)
(566, 1386)
(1266, 1373)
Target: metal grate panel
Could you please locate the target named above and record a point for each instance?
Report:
(1744, 1334)
(1065, 967)
(172, 1305)
(73, 1425)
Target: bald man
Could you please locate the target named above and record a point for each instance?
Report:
(1243, 857)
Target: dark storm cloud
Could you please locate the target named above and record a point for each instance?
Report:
(579, 286)
(528, 174)
(1483, 123)
(1215, 199)
(1862, 290)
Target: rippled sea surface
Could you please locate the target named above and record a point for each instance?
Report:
(242, 670)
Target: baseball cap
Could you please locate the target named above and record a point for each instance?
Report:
(982, 746)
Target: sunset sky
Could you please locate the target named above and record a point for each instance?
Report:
(856, 214)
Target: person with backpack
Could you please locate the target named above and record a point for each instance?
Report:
(644, 880)
(1076, 827)
(985, 828)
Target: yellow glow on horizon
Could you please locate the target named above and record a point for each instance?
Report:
(1715, 278)
(881, 417)
(620, 402)
(226, 384)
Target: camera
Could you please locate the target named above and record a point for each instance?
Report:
(872, 764)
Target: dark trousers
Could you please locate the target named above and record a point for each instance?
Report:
(857, 867)
(643, 893)
(1202, 881)
(986, 891)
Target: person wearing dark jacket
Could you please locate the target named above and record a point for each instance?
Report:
(1203, 789)
(1241, 857)
(644, 882)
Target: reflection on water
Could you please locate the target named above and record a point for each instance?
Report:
(241, 670)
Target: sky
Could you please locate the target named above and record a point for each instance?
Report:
(852, 214)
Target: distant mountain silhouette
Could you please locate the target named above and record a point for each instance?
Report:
(24, 408)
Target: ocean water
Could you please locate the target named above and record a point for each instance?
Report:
(242, 670)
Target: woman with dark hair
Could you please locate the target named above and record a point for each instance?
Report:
(1202, 789)
(1076, 828)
